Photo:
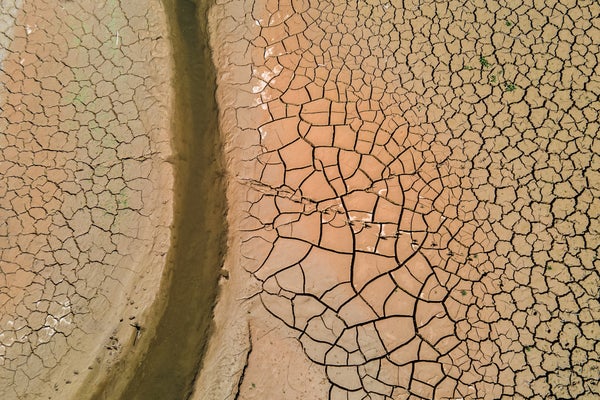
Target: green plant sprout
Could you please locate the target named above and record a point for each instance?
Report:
(122, 199)
(484, 62)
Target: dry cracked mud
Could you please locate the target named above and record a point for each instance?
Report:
(413, 191)
(414, 187)
(85, 191)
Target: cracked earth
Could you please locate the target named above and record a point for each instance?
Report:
(413, 190)
(414, 193)
(85, 203)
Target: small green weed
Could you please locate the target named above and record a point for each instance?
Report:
(509, 87)
(484, 62)
(122, 199)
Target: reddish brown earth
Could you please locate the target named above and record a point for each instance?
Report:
(413, 193)
(414, 200)
(85, 191)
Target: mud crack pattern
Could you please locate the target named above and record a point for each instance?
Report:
(82, 136)
(423, 204)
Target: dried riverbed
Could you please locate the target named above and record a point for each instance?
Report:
(416, 200)
(412, 188)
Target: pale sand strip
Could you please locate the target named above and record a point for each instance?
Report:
(229, 343)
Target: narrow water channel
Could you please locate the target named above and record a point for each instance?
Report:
(174, 355)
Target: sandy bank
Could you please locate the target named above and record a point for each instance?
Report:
(242, 327)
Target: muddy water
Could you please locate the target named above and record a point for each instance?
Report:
(168, 368)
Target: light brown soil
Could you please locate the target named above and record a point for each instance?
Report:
(85, 191)
(414, 196)
(413, 192)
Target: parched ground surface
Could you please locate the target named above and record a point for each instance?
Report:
(85, 192)
(415, 187)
